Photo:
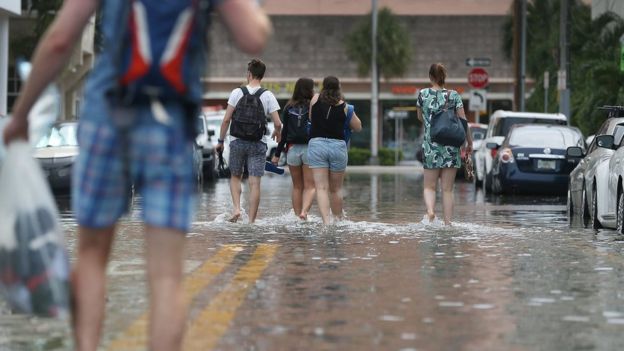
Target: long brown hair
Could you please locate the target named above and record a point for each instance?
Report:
(303, 92)
(331, 94)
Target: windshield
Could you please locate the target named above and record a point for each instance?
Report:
(504, 124)
(560, 138)
(61, 135)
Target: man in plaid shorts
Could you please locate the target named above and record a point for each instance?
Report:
(123, 146)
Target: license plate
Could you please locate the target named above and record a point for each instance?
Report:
(550, 165)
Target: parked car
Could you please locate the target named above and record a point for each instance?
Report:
(588, 188)
(500, 123)
(532, 159)
(206, 148)
(56, 151)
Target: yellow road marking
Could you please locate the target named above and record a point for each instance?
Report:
(135, 336)
(215, 319)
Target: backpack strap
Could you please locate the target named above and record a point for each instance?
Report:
(244, 90)
(259, 92)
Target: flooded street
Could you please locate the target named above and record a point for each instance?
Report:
(511, 274)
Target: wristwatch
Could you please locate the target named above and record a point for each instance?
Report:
(220, 141)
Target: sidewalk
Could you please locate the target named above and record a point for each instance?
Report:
(402, 168)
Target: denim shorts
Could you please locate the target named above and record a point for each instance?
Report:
(156, 158)
(297, 155)
(328, 153)
(250, 153)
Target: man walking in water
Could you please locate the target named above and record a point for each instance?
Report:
(143, 141)
(247, 112)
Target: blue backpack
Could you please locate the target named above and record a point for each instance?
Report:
(347, 125)
(160, 53)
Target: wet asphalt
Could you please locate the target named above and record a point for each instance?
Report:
(510, 274)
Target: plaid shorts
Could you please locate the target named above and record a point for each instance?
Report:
(156, 158)
(250, 153)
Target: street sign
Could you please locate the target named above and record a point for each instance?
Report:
(478, 78)
(478, 100)
(398, 114)
(478, 62)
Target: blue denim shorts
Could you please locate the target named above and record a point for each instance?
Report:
(156, 158)
(328, 153)
(297, 155)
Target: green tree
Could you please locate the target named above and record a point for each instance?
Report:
(394, 48)
(44, 11)
(594, 59)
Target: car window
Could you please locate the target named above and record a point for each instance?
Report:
(62, 135)
(477, 133)
(504, 124)
(545, 137)
(200, 125)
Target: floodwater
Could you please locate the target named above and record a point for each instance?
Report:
(511, 274)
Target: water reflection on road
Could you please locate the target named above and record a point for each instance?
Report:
(510, 274)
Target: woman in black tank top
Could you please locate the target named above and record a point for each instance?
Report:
(327, 149)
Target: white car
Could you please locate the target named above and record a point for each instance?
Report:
(588, 191)
(612, 214)
(213, 122)
(500, 123)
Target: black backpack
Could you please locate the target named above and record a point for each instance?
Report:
(249, 118)
(298, 124)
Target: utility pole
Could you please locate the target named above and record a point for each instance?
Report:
(517, 32)
(523, 35)
(564, 65)
(374, 89)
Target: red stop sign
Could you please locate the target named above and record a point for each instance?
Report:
(478, 78)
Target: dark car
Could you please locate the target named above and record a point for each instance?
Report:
(532, 159)
(56, 152)
(204, 143)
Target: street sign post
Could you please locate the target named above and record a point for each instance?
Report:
(478, 100)
(478, 62)
(478, 78)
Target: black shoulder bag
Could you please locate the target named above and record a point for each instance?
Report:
(446, 127)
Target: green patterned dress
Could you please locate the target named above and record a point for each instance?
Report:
(435, 155)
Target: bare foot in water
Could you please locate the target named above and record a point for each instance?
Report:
(235, 217)
(303, 216)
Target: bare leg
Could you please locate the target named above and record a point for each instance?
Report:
(254, 197)
(308, 192)
(235, 189)
(165, 249)
(321, 183)
(89, 284)
(429, 190)
(296, 173)
(335, 193)
(448, 182)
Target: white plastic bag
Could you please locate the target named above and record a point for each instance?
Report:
(34, 267)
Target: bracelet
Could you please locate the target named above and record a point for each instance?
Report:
(220, 141)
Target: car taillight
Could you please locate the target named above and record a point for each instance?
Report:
(506, 156)
(493, 152)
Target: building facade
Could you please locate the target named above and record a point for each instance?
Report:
(310, 41)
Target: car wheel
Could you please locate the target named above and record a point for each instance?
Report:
(476, 182)
(584, 209)
(486, 183)
(496, 187)
(620, 213)
(595, 224)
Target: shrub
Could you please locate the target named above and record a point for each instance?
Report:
(386, 156)
(359, 156)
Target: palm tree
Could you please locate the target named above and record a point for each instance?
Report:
(594, 57)
(394, 48)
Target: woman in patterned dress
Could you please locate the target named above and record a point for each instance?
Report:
(439, 161)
